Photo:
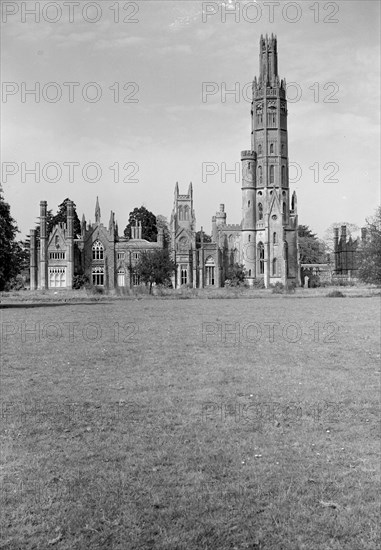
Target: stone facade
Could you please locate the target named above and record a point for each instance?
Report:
(98, 253)
(345, 252)
(265, 242)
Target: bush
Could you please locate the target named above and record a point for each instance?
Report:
(291, 286)
(16, 283)
(340, 281)
(94, 289)
(258, 283)
(236, 275)
(80, 281)
(278, 288)
(335, 294)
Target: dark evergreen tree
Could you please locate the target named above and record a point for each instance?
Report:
(61, 217)
(236, 275)
(148, 221)
(161, 222)
(12, 253)
(207, 238)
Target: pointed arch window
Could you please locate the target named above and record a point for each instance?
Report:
(259, 149)
(184, 275)
(274, 267)
(260, 175)
(260, 211)
(284, 176)
(284, 211)
(275, 238)
(186, 213)
(272, 174)
(261, 258)
(98, 251)
(181, 213)
(271, 148)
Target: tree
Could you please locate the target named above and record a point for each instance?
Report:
(370, 251)
(61, 217)
(311, 249)
(154, 267)
(207, 238)
(162, 222)
(12, 255)
(148, 221)
(236, 275)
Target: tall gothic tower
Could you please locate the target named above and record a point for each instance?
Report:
(183, 237)
(269, 224)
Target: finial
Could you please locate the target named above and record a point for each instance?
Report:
(97, 212)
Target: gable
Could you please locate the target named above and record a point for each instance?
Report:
(57, 239)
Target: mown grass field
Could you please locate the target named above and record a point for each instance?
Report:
(182, 425)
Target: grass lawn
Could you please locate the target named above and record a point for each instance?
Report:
(191, 424)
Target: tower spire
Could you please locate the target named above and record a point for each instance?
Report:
(97, 212)
(268, 60)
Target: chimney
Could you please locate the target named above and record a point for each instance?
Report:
(344, 233)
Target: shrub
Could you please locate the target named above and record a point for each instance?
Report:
(341, 281)
(278, 288)
(94, 289)
(291, 286)
(258, 283)
(335, 294)
(236, 275)
(80, 281)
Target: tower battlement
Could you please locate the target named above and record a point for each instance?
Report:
(248, 155)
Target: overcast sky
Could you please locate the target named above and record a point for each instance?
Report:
(162, 129)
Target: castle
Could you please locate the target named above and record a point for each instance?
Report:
(265, 241)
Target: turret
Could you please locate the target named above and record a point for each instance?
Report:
(214, 229)
(43, 246)
(111, 224)
(344, 233)
(268, 60)
(33, 260)
(83, 226)
(221, 216)
(70, 243)
(248, 159)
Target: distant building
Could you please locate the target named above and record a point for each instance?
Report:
(346, 253)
